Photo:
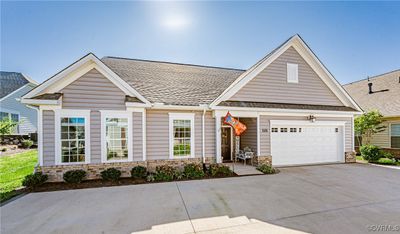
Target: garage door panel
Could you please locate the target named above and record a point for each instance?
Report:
(311, 144)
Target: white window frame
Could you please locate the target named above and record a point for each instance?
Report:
(292, 71)
(181, 116)
(116, 114)
(69, 113)
(390, 135)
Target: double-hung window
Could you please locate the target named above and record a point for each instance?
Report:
(395, 135)
(181, 128)
(116, 136)
(72, 136)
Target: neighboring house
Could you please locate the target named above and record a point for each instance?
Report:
(381, 93)
(118, 112)
(12, 86)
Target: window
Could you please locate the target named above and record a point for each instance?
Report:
(293, 129)
(336, 129)
(72, 136)
(117, 138)
(292, 73)
(3, 115)
(283, 129)
(11, 116)
(299, 129)
(72, 140)
(274, 129)
(395, 135)
(181, 135)
(117, 145)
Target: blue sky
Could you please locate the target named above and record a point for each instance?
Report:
(353, 39)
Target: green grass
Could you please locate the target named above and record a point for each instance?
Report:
(13, 169)
(382, 161)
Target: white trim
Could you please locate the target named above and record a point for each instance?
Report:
(135, 104)
(40, 135)
(158, 106)
(258, 136)
(40, 101)
(32, 81)
(20, 88)
(144, 135)
(203, 137)
(116, 114)
(76, 70)
(298, 44)
(307, 122)
(58, 114)
(352, 133)
(181, 116)
(218, 137)
(275, 111)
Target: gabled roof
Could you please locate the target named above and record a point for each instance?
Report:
(173, 83)
(11, 81)
(387, 102)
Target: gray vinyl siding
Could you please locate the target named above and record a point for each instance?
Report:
(95, 137)
(249, 137)
(265, 137)
(158, 134)
(270, 85)
(93, 91)
(137, 136)
(27, 116)
(48, 138)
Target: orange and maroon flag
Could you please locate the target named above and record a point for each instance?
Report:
(235, 124)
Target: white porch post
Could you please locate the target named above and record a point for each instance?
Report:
(218, 137)
(258, 136)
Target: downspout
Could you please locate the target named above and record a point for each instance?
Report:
(203, 134)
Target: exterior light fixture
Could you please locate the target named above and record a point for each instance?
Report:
(311, 118)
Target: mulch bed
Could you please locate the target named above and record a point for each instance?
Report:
(12, 149)
(98, 183)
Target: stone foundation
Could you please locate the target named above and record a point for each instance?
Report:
(56, 173)
(261, 160)
(350, 157)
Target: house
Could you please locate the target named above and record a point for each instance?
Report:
(382, 93)
(13, 86)
(119, 112)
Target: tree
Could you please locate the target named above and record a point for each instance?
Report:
(368, 124)
(7, 126)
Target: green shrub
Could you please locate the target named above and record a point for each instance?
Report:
(165, 173)
(139, 172)
(3, 149)
(219, 170)
(371, 153)
(112, 174)
(74, 176)
(193, 171)
(150, 178)
(27, 144)
(386, 161)
(266, 169)
(34, 180)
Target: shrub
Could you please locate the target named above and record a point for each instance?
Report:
(371, 153)
(74, 176)
(112, 174)
(34, 180)
(150, 178)
(220, 170)
(193, 171)
(266, 169)
(27, 144)
(139, 172)
(386, 161)
(3, 149)
(165, 173)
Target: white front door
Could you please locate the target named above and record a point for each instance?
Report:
(306, 144)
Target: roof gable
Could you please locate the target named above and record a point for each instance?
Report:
(12, 81)
(299, 45)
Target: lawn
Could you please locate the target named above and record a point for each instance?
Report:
(382, 161)
(13, 169)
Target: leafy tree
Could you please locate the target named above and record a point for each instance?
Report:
(7, 126)
(368, 124)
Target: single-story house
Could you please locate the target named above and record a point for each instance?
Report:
(120, 112)
(12, 86)
(382, 93)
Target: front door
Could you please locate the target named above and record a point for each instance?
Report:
(226, 144)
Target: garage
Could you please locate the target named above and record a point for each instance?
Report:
(298, 143)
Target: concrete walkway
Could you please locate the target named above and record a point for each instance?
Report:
(241, 169)
(342, 198)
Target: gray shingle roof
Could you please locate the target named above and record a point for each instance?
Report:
(11, 81)
(388, 103)
(285, 106)
(173, 83)
(48, 96)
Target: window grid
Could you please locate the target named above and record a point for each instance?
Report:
(117, 138)
(293, 129)
(274, 129)
(182, 137)
(395, 135)
(283, 129)
(72, 139)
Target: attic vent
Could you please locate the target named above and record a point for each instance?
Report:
(371, 91)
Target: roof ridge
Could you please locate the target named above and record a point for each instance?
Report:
(372, 77)
(175, 63)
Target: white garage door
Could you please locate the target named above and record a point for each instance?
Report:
(307, 144)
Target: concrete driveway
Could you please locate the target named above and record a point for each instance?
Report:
(342, 198)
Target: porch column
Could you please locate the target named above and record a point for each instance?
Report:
(218, 137)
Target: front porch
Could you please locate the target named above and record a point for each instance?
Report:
(242, 169)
